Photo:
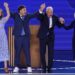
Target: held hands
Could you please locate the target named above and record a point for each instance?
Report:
(5, 4)
(62, 21)
(42, 7)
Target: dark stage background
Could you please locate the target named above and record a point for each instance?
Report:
(63, 38)
(64, 8)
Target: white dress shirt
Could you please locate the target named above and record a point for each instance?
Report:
(50, 22)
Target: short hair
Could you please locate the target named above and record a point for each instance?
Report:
(49, 7)
(21, 7)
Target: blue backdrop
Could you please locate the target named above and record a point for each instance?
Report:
(64, 8)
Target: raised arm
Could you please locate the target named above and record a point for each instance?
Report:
(7, 10)
(42, 7)
(40, 14)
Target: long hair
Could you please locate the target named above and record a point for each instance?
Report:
(1, 13)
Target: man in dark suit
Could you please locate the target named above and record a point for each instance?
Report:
(46, 35)
(21, 34)
(72, 26)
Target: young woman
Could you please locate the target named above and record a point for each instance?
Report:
(4, 54)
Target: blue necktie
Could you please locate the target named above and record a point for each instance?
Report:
(23, 32)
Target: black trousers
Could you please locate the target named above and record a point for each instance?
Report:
(22, 42)
(49, 41)
(73, 47)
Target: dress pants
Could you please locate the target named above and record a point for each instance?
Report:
(49, 41)
(22, 42)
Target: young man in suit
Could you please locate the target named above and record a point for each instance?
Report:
(46, 35)
(21, 34)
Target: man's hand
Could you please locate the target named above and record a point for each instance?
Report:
(42, 7)
(62, 21)
(5, 4)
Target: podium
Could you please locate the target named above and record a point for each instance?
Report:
(34, 47)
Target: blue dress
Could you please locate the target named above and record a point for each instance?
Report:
(4, 53)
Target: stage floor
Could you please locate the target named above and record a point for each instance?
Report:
(63, 63)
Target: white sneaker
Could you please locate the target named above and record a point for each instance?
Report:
(16, 70)
(29, 69)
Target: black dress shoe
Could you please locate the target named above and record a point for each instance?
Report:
(43, 71)
(49, 70)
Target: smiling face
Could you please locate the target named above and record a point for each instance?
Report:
(49, 11)
(23, 11)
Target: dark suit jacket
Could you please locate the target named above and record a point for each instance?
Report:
(44, 25)
(19, 24)
(72, 25)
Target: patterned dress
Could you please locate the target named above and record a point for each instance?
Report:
(4, 54)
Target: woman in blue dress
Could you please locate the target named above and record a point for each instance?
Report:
(4, 53)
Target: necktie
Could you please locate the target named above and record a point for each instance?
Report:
(22, 17)
(23, 32)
